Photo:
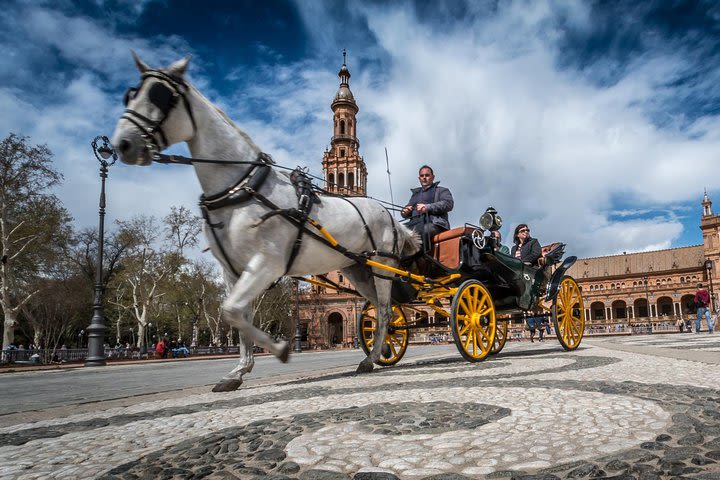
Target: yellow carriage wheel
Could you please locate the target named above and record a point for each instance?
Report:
(568, 314)
(500, 337)
(396, 339)
(472, 319)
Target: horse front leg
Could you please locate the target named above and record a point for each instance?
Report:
(233, 380)
(237, 311)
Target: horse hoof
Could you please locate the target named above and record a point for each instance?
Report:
(366, 366)
(285, 353)
(227, 386)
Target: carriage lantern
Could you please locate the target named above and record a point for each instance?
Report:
(490, 220)
(96, 331)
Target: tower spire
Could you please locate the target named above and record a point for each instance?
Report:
(707, 205)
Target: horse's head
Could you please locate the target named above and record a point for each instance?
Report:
(157, 113)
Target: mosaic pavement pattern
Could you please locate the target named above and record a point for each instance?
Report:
(551, 414)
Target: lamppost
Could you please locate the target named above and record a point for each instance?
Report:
(298, 334)
(709, 268)
(96, 330)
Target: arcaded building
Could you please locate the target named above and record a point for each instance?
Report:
(650, 287)
(631, 292)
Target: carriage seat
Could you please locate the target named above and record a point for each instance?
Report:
(446, 246)
(551, 254)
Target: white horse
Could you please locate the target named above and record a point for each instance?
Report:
(165, 109)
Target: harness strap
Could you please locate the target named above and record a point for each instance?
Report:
(213, 226)
(365, 225)
(130, 119)
(243, 188)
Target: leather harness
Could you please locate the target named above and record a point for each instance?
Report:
(165, 95)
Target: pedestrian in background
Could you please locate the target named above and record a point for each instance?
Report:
(702, 299)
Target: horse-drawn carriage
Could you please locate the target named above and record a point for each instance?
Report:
(476, 288)
(262, 223)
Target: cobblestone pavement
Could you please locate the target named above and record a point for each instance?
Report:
(533, 411)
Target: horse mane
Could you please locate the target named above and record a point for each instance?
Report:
(225, 117)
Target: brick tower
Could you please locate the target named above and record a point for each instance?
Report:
(343, 168)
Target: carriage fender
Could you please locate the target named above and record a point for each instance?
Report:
(557, 276)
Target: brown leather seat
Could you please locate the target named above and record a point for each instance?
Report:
(446, 246)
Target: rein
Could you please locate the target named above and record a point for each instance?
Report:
(247, 187)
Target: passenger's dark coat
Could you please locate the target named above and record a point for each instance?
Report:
(530, 251)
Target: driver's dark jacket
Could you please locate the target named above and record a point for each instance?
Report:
(437, 209)
(529, 252)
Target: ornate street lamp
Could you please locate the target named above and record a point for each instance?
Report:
(709, 268)
(96, 331)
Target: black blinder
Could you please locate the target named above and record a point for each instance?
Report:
(162, 97)
(129, 95)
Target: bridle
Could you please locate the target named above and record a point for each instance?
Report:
(164, 95)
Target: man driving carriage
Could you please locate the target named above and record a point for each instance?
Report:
(431, 199)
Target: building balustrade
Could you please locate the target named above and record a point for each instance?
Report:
(345, 137)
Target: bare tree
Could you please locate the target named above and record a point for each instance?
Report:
(34, 226)
(144, 269)
(182, 228)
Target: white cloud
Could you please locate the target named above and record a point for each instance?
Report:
(481, 99)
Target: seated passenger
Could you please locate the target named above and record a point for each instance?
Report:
(497, 245)
(430, 199)
(526, 248)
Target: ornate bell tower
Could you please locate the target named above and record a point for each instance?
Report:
(710, 226)
(343, 168)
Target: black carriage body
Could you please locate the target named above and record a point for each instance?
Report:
(514, 285)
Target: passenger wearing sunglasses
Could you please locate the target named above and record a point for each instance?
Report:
(430, 199)
(526, 248)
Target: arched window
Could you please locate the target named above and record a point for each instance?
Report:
(342, 127)
(351, 180)
(331, 179)
(340, 278)
(342, 152)
(341, 180)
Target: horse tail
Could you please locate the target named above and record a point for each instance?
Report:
(409, 241)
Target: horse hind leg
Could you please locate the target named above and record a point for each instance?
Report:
(364, 283)
(384, 314)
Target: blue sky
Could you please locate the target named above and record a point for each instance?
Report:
(595, 122)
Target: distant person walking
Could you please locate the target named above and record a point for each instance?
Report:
(161, 348)
(702, 299)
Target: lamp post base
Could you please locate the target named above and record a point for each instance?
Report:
(96, 338)
(297, 338)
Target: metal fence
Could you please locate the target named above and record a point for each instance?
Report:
(63, 355)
